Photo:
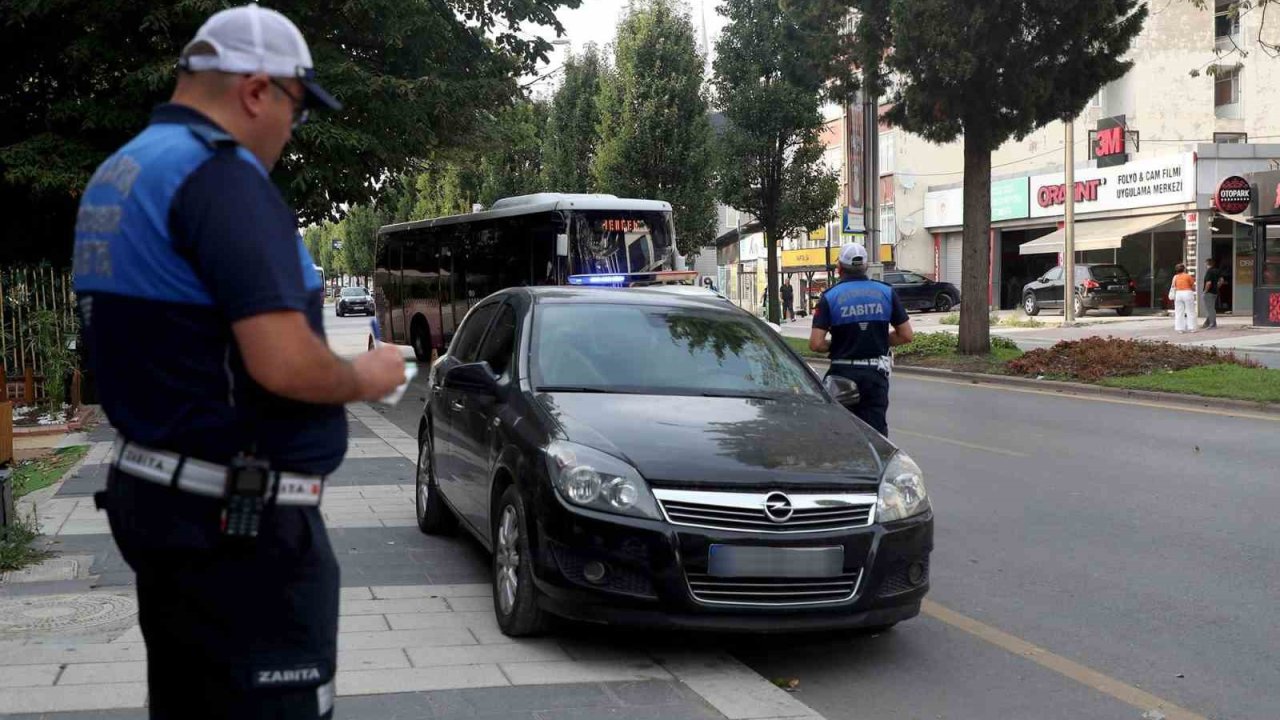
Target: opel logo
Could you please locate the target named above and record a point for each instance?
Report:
(778, 507)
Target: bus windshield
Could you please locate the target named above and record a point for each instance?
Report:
(620, 241)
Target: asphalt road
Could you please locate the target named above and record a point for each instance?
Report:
(1132, 545)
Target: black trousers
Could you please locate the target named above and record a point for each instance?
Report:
(232, 631)
(873, 386)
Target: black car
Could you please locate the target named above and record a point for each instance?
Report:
(354, 300)
(1097, 287)
(634, 456)
(918, 292)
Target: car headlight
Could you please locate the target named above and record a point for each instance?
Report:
(902, 492)
(591, 479)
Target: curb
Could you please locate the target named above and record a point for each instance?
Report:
(1196, 402)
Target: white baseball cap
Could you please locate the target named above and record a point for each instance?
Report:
(853, 254)
(252, 39)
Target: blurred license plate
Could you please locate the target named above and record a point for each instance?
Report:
(774, 562)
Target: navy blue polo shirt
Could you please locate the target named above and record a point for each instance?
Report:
(858, 313)
(181, 233)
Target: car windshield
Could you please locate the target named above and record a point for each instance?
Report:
(1103, 273)
(353, 292)
(662, 350)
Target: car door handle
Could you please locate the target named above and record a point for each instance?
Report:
(456, 404)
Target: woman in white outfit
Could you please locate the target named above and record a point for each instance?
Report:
(1183, 294)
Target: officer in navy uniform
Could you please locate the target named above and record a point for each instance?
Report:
(201, 311)
(864, 319)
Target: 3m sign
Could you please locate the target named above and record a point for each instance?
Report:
(1108, 144)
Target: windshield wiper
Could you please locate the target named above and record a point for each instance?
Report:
(579, 389)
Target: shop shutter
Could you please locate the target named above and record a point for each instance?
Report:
(951, 246)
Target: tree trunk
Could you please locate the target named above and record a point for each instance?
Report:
(975, 319)
(771, 280)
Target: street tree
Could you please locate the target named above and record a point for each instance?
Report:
(987, 71)
(770, 77)
(655, 138)
(359, 230)
(573, 132)
(76, 81)
(510, 152)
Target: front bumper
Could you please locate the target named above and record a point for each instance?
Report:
(648, 561)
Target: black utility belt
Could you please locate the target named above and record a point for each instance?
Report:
(198, 477)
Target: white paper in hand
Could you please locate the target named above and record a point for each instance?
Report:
(410, 372)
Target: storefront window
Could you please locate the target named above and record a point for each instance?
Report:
(1271, 260)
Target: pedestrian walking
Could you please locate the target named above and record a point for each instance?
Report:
(1212, 283)
(857, 322)
(1183, 294)
(202, 317)
(788, 302)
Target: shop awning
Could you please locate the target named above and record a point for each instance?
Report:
(1096, 234)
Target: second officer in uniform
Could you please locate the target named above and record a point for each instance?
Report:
(857, 322)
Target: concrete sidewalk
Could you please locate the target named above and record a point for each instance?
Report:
(417, 638)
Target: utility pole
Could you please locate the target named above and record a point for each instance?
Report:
(1069, 228)
(871, 156)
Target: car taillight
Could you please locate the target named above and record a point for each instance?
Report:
(1091, 285)
(1133, 285)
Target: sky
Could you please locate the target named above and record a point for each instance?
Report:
(597, 21)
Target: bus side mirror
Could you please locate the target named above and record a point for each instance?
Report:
(562, 245)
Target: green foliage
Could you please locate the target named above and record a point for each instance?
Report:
(359, 233)
(943, 343)
(52, 333)
(573, 133)
(1223, 380)
(510, 160)
(990, 70)
(17, 549)
(770, 74)
(77, 80)
(38, 473)
(655, 138)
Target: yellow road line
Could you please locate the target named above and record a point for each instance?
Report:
(1067, 393)
(1104, 684)
(960, 443)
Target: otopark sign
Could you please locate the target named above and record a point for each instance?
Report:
(1234, 195)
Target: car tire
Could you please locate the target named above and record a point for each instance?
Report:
(515, 599)
(1125, 311)
(942, 303)
(1030, 306)
(1080, 309)
(337, 311)
(434, 516)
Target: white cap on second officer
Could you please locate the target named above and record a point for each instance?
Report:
(253, 39)
(853, 254)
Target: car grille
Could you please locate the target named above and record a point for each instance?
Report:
(769, 512)
(782, 591)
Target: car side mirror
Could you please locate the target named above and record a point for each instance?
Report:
(842, 390)
(473, 378)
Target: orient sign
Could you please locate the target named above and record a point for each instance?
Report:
(1234, 195)
(1050, 195)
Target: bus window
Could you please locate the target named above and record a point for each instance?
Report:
(421, 291)
(606, 241)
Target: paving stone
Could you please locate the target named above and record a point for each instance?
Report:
(422, 621)
(399, 592)
(112, 672)
(28, 675)
(402, 639)
(519, 699)
(664, 712)
(88, 653)
(372, 660)
(362, 623)
(79, 697)
(465, 604)
(525, 651)
(355, 593)
(369, 682)
(733, 688)
(539, 673)
(389, 607)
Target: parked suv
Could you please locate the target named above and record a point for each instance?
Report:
(1097, 286)
(354, 300)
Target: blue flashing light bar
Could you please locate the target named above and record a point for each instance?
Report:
(597, 279)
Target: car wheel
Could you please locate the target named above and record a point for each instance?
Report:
(434, 516)
(1125, 311)
(1079, 307)
(337, 311)
(942, 303)
(515, 601)
(1029, 305)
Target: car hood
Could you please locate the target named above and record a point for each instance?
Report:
(724, 441)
